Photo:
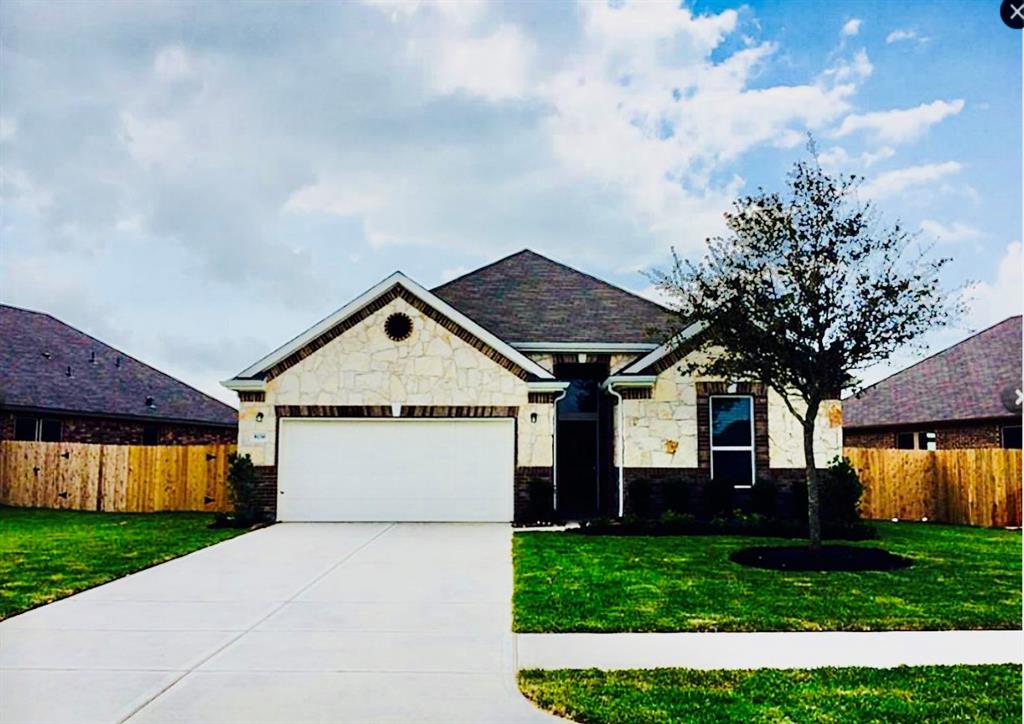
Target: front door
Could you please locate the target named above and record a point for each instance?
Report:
(581, 462)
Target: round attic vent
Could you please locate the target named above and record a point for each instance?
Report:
(398, 326)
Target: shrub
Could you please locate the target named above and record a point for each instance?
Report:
(640, 497)
(242, 485)
(764, 497)
(841, 491)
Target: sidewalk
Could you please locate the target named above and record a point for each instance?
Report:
(783, 650)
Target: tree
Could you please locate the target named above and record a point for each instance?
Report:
(805, 290)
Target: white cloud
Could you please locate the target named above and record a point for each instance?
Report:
(891, 183)
(173, 63)
(897, 36)
(495, 66)
(858, 69)
(897, 126)
(850, 28)
(955, 232)
(992, 301)
(8, 128)
(838, 158)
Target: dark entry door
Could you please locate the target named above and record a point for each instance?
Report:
(582, 448)
(577, 468)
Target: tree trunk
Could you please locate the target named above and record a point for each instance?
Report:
(811, 471)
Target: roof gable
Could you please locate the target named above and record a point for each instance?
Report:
(37, 351)
(528, 298)
(396, 285)
(963, 382)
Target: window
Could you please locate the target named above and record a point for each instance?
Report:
(25, 428)
(50, 430)
(1011, 437)
(732, 440)
(32, 428)
(915, 441)
(150, 435)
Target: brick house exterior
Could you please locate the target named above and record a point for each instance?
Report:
(962, 397)
(524, 390)
(58, 384)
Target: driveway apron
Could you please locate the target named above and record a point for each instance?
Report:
(329, 622)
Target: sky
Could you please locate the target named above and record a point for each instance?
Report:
(195, 184)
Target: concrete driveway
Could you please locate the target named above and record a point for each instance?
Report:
(293, 623)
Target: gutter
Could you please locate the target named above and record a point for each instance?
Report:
(627, 381)
(245, 385)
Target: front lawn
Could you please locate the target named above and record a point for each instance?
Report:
(661, 696)
(962, 578)
(50, 554)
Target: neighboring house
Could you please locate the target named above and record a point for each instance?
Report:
(58, 384)
(963, 397)
(525, 389)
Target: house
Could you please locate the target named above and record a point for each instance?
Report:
(58, 384)
(523, 390)
(966, 396)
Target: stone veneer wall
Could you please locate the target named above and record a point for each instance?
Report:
(364, 367)
(662, 431)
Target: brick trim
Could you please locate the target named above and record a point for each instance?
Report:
(536, 398)
(760, 394)
(396, 292)
(252, 396)
(636, 393)
(534, 494)
(385, 411)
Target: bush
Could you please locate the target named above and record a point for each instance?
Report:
(841, 491)
(242, 487)
(764, 498)
(640, 497)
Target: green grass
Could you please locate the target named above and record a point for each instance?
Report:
(661, 696)
(962, 578)
(50, 554)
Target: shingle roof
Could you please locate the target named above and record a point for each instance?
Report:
(527, 297)
(36, 351)
(963, 382)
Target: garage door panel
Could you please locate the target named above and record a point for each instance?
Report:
(404, 470)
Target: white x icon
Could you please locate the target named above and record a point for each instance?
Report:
(1016, 11)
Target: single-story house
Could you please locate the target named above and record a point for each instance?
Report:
(966, 396)
(523, 390)
(58, 384)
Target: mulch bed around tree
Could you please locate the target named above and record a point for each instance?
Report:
(827, 558)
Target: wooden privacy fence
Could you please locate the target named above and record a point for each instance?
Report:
(114, 478)
(971, 487)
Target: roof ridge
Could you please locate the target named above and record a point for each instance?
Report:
(123, 354)
(933, 355)
(573, 269)
(481, 268)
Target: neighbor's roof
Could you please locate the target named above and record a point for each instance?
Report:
(36, 351)
(527, 297)
(963, 382)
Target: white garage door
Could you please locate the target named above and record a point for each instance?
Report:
(379, 469)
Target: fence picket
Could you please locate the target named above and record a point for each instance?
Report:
(970, 487)
(114, 478)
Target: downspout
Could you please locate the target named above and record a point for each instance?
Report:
(621, 446)
(554, 448)
(635, 381)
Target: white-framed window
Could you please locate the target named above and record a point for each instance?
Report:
(732, 439)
